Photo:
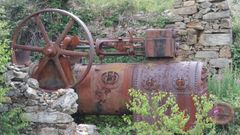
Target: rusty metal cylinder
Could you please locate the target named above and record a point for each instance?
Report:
(105, 89)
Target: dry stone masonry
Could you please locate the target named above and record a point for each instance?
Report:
(205, 31)
(49, 113)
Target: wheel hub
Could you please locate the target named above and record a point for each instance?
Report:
(50, 51)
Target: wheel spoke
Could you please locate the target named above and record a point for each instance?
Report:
(42, 29)
(65, 31)
(28, 48)
(41, 66)
(74, 53)
(60, 69)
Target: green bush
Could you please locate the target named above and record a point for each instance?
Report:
(147, 105)
(226, 88)
(11, 121)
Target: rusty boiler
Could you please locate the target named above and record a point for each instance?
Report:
(103, 88)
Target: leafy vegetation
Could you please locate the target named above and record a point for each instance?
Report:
(226, 87)
(10, 122)
(154, 106)
(236, 43)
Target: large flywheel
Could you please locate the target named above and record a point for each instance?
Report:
(42, 39)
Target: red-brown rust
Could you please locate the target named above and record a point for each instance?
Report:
(53, 51)
(105, 89)
(159, 43)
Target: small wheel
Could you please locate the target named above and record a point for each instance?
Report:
(54, 68)
(222, 113)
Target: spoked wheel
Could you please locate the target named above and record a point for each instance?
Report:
(52, 50)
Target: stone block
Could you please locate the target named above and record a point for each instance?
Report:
(48, 117)
(48, 131)
(205, 4)
(206, 54)
(180, 25)
(226, 23)
(186, 10)
(225, 52)
(220, 62)
(222, 5)
(85, 129)
(66, 103)
(188, 3)
(31, 93)
(33, 83)
(192, 36)
(216, 15)
(172, 17)
(195, 25)
(215, 39)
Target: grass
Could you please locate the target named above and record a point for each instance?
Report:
(226, 87)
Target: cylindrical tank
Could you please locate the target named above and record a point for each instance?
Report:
(105, 89)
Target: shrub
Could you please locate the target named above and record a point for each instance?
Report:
(10, 122)
(142, 104)
(226, 87)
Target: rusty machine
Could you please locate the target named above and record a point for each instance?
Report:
(103, 88)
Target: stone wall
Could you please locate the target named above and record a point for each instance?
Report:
(48, 113)
(205, 31)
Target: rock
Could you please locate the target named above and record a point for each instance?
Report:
(215, 39)
(222, 5)
(195, 25)
(225, 52)
(185, 10)
(48, 117)
(177, 3)
(226, 23)
(201, 1)
(184, 47)
(14, 93)
(33, 83)
(186, 20)
(48, 131)
(204, 11)
(206, 54)
(192, 36)
(205, 4)
(216, 26)
(211, 48)
(19, 76)
(180, 25)
(173, 17)
(31, 102)
(216, 15)
(32, 109)
(31, 93)
(69, 130)
(3, 108)
(8, 76)
(220, 62)
(7, 100)
(65, 102)
(85, 129)
(188, 3)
